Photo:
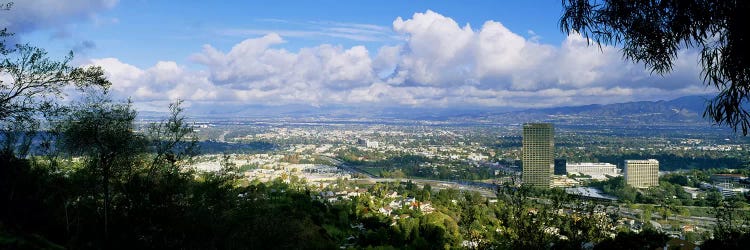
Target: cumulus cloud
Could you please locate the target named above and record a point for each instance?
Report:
(29, 15)
(440, 52)
(164, 81)
(255, 69)
(438, 63)
(496, 67)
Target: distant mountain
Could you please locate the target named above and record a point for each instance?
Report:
(688, 106)
(688, 109)
(307, 112)
(683, 110)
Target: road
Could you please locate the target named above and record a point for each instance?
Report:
(486, 189)
(340, 164)
(223, 135)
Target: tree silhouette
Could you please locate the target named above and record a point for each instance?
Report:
(103, 132)
(654, 31)
(35, 83)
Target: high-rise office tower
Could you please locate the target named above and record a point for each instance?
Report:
(538, 154)
(642, 173)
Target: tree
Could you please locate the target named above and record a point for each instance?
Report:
(103, 131)
(35, 79)
(732, 225)
(647, 239)
(171, 140)
(36, 83)
(654, 31)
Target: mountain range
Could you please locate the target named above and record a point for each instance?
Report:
(688, 109)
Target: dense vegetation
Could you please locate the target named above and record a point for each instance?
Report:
(50, 206)
(671, 161)
(416, 166)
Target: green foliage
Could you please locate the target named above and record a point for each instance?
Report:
(400, 166)
(214, 147)
(34, 84)
(672, 161)
(732, 230)
(36, 81)
(150, 202)
(541, 219)
(25, 193)
(646, 240)
(33, 241)
(170, 141)
(679, 179)
(101, 128)
(616, 186)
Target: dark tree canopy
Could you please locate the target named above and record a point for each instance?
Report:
(653, 31)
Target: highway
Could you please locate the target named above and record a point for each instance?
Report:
(486, 189)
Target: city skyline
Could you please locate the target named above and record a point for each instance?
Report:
(434, 55)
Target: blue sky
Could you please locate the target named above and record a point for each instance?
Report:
(143, 32)
(383, 53)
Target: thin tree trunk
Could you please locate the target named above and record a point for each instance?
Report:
(67, 219)
(105, 168)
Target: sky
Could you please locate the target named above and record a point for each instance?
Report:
(422, 54)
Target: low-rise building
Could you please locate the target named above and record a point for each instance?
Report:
(368, 143)
(597, 170)
(564, 181)
(733, 179)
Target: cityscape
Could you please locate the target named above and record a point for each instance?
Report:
(578, 124)
(343, 159)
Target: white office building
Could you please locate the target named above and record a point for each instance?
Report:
(597, 170)
(642, 173)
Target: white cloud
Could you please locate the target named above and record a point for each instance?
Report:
(438, 49)
(254, 65)
(439, 52)
(162, 82)
(438, 63)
